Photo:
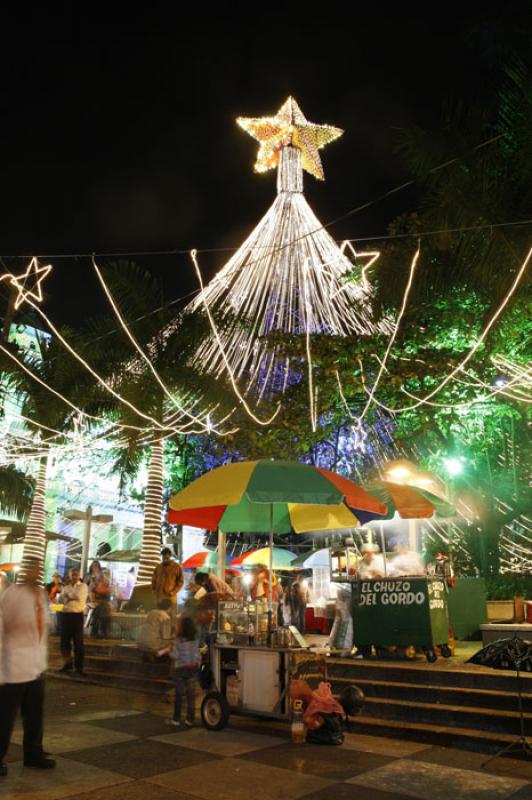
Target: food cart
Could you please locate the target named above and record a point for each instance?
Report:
(406, 613)
(251, 666)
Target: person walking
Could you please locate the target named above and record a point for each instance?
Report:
(186, 659)
(23, 657)
(167, 579)
(74, 599)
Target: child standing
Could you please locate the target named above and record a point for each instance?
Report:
(186, 659)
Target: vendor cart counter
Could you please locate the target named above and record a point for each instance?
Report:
(401, 612)
(256, 680)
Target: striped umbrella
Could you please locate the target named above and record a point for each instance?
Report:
(204, 559)
(409, 502)
(281, 559)
(273, 496)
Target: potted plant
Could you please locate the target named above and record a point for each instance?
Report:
(506, 595)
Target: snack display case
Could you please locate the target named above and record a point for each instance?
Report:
(244, 622)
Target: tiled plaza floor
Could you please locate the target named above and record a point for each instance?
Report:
(118, 745)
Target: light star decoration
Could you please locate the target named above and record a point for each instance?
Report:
(289, 127)
(371, 257)
(34, 271)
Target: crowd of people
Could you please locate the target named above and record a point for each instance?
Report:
(169, 632)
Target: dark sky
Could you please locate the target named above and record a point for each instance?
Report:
(119, 134)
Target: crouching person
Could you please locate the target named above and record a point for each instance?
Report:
(156, 633)
(186, 660)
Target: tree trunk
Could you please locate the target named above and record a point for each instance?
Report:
(35, 538)
(150, 554)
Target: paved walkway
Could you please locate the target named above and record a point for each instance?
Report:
(118, 745)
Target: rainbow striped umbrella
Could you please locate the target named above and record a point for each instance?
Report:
(410, 502)
(204, 559)
(271, 496)
(281, 559)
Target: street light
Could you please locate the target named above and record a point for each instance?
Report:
(454, 465)
(74, 515)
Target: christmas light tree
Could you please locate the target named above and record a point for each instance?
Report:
(289, 276)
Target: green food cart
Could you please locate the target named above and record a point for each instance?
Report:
(402, 613)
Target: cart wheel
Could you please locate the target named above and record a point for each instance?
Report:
(214, 711)
(431, 656)
(446, 651)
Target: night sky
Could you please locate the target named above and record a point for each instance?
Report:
(119, 134)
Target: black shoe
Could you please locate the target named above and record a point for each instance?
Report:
(80, 673)
(3, 770)
(66, 668)
(40, 763)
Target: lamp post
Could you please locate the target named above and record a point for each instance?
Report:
(74, 515)
(402, 472)
(454, 466)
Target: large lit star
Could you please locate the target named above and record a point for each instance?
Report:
(33, 275)
(289, 127)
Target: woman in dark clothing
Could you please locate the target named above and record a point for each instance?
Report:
(298, 605)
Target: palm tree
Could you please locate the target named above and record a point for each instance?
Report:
(170, 343)
(57, 370)
(16, 491)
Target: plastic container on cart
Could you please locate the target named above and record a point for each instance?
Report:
(233, 690)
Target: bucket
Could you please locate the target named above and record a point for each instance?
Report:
(232, 690)
(528, 606)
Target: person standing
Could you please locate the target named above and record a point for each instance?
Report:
(167, 579)
(186, 660)
(53, 590)
(101, 616)
(23, 656)
(298, 603)
(74, 599)
(54, 587)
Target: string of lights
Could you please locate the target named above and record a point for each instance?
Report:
(181, 409)
(459, 368)
(394, 332)
(223, 354)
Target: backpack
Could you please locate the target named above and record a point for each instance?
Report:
(329, 733)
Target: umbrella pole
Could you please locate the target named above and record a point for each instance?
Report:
(383, 545)
(270, 580)
(221, 554)
(412, 537)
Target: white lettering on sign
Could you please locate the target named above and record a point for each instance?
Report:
(386, 586)
(402, 598)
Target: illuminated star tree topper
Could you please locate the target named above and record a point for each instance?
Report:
(289, 276)
(289, 127)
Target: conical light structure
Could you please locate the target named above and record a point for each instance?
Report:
(289, 275)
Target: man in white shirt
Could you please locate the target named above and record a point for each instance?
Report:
(406, 562)
(371, 564)
(23, 656)
(74, 599)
